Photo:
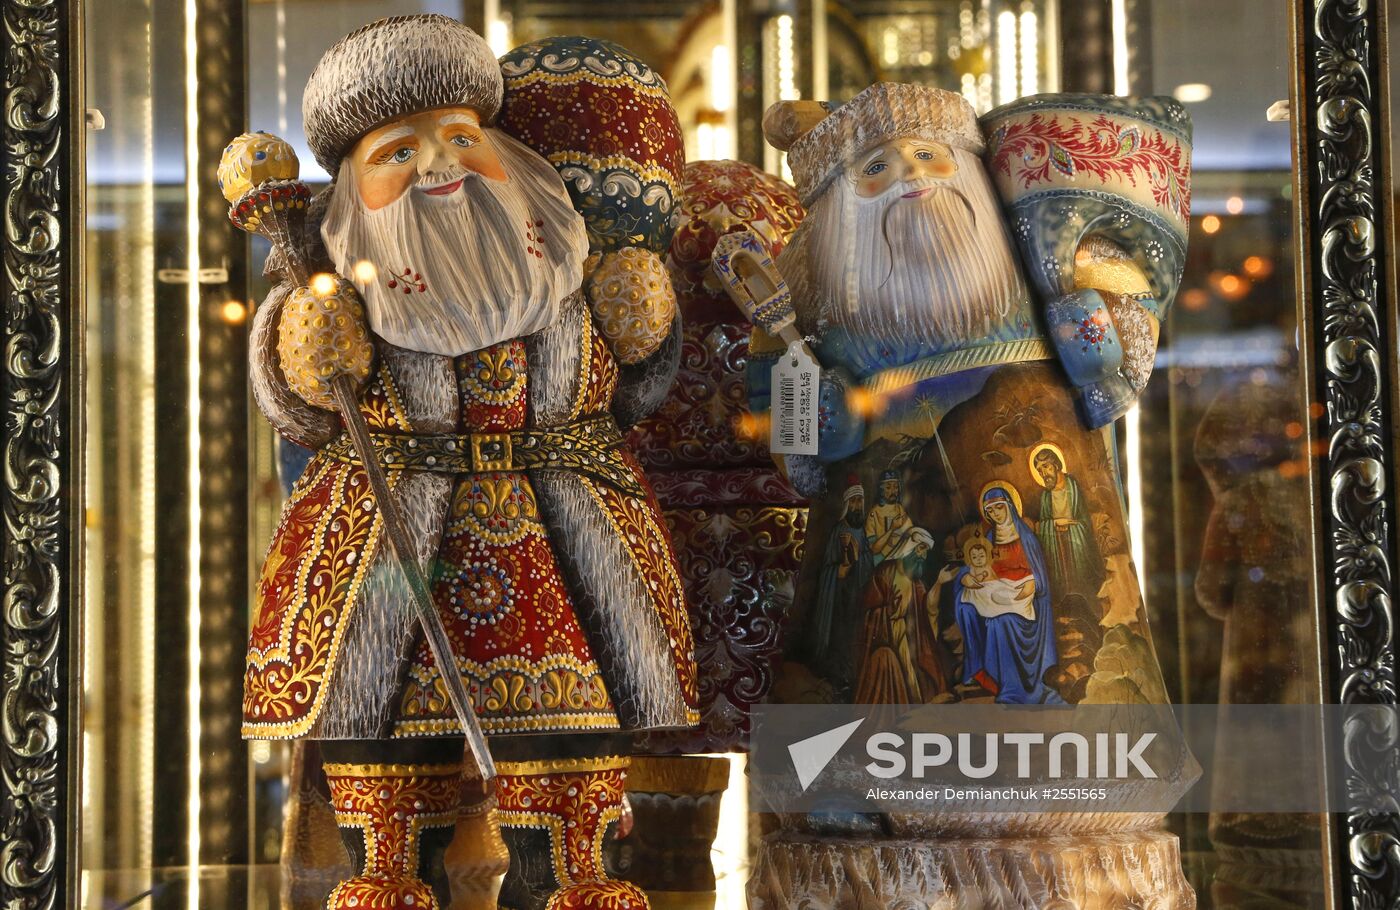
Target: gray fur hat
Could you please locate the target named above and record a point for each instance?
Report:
(884, 111)
(391, 68)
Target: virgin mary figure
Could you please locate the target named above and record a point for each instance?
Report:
(1005, 618)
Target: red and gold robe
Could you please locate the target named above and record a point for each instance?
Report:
(557, 585)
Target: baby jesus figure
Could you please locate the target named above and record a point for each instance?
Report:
(991, 595)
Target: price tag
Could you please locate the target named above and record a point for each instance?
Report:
(796, 382)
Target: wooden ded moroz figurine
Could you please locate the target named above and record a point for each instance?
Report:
(967, 541)
(471, 500)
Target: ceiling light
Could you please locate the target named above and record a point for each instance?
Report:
(1192, 92)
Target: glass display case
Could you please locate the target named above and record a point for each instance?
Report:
(142, 484)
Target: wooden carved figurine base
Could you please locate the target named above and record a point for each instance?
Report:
(675, 801)
(1096, 872)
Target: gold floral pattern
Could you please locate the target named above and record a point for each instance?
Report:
(329, 533)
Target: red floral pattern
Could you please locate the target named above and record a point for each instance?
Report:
(614, 120)
(1039, 148)
(721, 197)
(575, 803)
(698, 425)
(737, 524)
(739, 564)
(499, 589)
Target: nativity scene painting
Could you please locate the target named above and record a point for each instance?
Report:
(1005, 579)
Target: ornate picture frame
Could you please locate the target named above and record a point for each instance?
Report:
(1342, 188)
(1345, 228)
(40, 719)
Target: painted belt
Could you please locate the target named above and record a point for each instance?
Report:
(997, 354)
(588, 447)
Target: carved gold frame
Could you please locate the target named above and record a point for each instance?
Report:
(1347, 300)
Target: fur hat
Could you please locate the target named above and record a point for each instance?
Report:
(819, 143)
(391, 68)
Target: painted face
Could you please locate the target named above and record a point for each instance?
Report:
(431, 151)
(977, 557)
(889, 490)
(857, 504)
(902, 161)
(997, 512)
(1049, 470)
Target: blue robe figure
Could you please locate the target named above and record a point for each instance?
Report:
(1007, 652)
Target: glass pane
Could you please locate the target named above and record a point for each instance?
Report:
(1165, 557)
(1224, 424)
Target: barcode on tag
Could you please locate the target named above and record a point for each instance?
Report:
(795, 390)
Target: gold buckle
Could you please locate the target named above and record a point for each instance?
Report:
(491, 452)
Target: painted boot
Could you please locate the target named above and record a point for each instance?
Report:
(555, 816)
(396, 821)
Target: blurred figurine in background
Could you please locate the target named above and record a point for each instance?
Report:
(488, 361)
(994, 523)
(1253, 577)
(738, 528)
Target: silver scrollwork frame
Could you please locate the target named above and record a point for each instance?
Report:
(1342, 135)
(40, 497)
(1343, 193)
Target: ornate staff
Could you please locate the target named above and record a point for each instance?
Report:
(258, 176)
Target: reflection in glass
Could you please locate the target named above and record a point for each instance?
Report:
(1223, 461)
(119, 661)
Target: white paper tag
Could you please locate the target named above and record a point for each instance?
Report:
(796, 385)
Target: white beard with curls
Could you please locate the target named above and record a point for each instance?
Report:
(938, 269)
(495, 259)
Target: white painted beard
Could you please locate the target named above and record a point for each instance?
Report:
(457, 273)
(939, 268)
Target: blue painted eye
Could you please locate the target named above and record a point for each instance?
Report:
(402, 155)
(874, 169)
(924, 156)
(462, 142)
(258, 156)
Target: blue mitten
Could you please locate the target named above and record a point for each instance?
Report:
(1106, 347)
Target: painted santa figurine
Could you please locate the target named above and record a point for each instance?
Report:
(974, 398)
(488, 386)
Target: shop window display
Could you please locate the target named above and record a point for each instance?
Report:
(1095, 297)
